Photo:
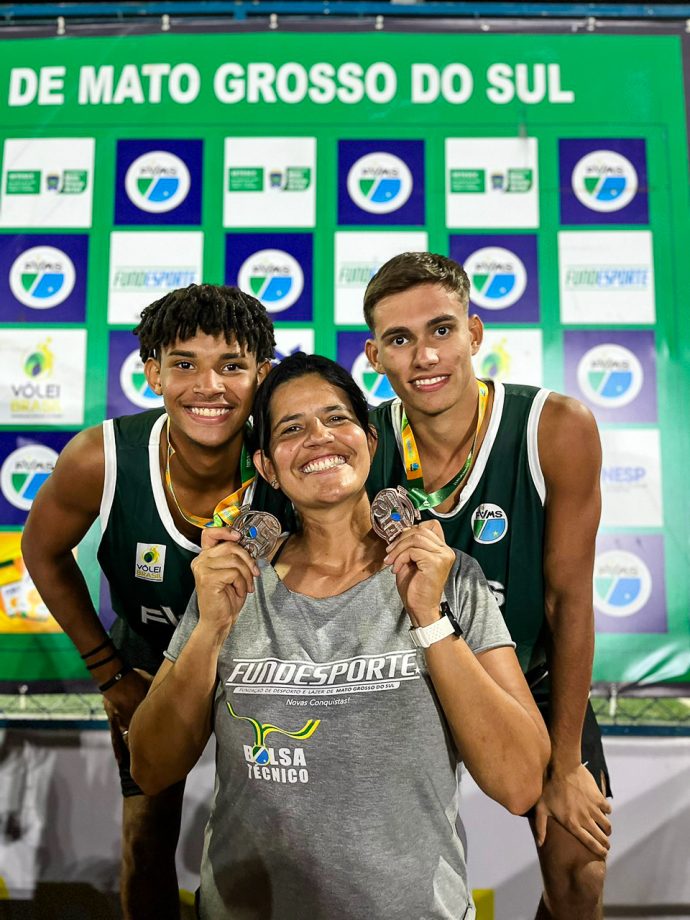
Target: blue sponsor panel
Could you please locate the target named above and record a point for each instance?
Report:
(350, 354)
(43, 278)
(158, 182)
(612, 372)
(276, 268)
(128, 389)
(629, 588)
(381, 182)
(603, 181)
(503, 273)
(27, 460)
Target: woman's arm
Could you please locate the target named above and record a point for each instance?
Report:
(494, 721)
(496, 726)
(171, 727)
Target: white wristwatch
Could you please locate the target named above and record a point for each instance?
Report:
(447, 625)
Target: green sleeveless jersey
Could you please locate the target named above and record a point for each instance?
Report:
(143, 555)
(499, 516)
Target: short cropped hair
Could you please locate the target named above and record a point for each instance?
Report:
(410, 269)
(210, 308)
(292, 368)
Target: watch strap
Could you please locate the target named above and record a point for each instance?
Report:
(424, 636)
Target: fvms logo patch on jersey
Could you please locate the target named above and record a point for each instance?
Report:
(150, 561)
(489, 523)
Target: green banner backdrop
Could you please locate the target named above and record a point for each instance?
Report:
(554, 166)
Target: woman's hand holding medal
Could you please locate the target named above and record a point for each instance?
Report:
(418, 553)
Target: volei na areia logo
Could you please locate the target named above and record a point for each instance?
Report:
(622, 583)
(379, 183)
(274, 277)
(498, 277)
(604, 180)
(157, 181)
(42, 277)
(610, 376)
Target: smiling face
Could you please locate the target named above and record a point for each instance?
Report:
(319, 453)
(207, 385)
(424, 342)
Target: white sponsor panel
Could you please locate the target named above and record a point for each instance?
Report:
(631, 478)
(47, 182)
(42, 376)
(358, 256)
(269, 182)
(492, 182)
(511, 356)
(606, 277)
(147, 264)
(289, 341)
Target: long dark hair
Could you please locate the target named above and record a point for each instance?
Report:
(292, 368)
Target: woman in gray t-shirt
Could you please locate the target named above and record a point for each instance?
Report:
(345, 680)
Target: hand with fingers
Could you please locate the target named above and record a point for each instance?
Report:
(576, 802)
(224, 574)
(421, 561)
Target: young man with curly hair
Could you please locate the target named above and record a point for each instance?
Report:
(153, 480)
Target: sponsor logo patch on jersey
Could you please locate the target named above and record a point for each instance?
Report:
(150, 561)
(489, 523)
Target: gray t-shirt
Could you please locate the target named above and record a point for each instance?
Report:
(336, 788)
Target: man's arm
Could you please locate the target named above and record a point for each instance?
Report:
(570, 455)
(62, 512)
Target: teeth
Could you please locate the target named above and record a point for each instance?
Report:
(208, 412)
(325, 463)
(428, 381)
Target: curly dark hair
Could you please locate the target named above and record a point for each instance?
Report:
(410, 269)
(291, 368)
(211, 308)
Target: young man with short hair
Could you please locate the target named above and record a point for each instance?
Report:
(154, 480)
(512, 474)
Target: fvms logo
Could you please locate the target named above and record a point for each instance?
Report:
(42, 277)
(610, 376)
(24, 472)
(622, 583)
(375, 387)
(274, 277)
(134, 384)
(379, 183)
(605, 181)
(150, 561)
(489, 523)
(157, 182)
(498, 277)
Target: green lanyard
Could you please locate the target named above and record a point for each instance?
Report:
(229, 507)
(413, 465)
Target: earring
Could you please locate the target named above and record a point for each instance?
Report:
(274, 483)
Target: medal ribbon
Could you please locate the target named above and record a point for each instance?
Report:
(228, 508)
(413, 465)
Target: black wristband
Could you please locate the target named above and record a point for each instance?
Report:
(97, 664)
(116, 678)
(99, 648)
